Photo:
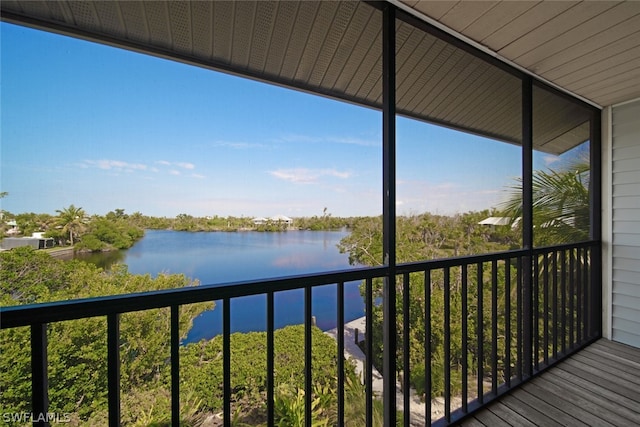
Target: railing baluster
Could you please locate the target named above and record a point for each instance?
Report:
(226, 360)
(555, 303)
(340, 330)
(113, 368)
(494, 327)
(563, 285)
(519, 325)
(39, 374)
(586, 277)
(536, 312)
(579, 294)
(465, 337)
(528, 313)
(307, 356)
(427, 344)
(270, 364)
(175, 365)
(369, 351)
(480, 333)
(545, 303)
(406, 387)
(507, 321)
(447, 344)
(572, 296)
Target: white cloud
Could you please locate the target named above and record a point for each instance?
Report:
(350, 140)
(293, 137)
(308, 176)
(549, 160)
(115, 165)
(356, 141)
(182, 165)
(447, 198)
(174, 172)
(239, 145)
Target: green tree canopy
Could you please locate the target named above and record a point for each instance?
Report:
(72, 220)
(560, 203)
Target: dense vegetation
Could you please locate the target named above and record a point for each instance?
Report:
(560, 215)
(77, 355)
(77, 349)
(72, 227)
(424, 237)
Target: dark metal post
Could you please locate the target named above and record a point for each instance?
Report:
(308, 383)
(340, 355)
(447, 345)
(226, 361)
(427, 344)
(113, 368)
(480, 331)
(465, 337)
(175, 365)
(39, 375)
(406, 371)
(494, 327)
(270, 364)
(527, 221)
(368, 334)
(507, 321)
(595, 191)
(389, 210)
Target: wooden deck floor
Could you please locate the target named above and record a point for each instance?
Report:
(599, 386)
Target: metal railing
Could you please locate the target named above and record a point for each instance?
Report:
(519, 313)
(490, 323)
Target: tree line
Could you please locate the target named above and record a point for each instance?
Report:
(119, 230)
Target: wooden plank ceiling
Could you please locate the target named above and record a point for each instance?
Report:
(334, 49)
(589, 48)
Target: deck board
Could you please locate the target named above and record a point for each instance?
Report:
(618, 403)
(598, 386)
(530, 413)
(510, 416)
(553, 412)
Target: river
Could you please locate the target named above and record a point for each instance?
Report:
(222, 257)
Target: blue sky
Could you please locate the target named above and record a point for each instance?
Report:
(104, 128)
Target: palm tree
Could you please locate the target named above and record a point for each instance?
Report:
(560, 204)
(71, 220)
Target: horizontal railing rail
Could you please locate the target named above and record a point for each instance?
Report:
(25, 315)
(489, 322)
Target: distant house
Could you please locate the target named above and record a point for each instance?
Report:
(500, 220)
(281, 219)
(34, 242)
(260, 221)
(496, 220)
(278, 219)
(13, 227)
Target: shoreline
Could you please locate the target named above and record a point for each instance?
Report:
(61, 252)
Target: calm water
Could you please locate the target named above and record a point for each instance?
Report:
(221, 257)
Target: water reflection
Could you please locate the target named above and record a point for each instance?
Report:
(103, 260)
(223, 257)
